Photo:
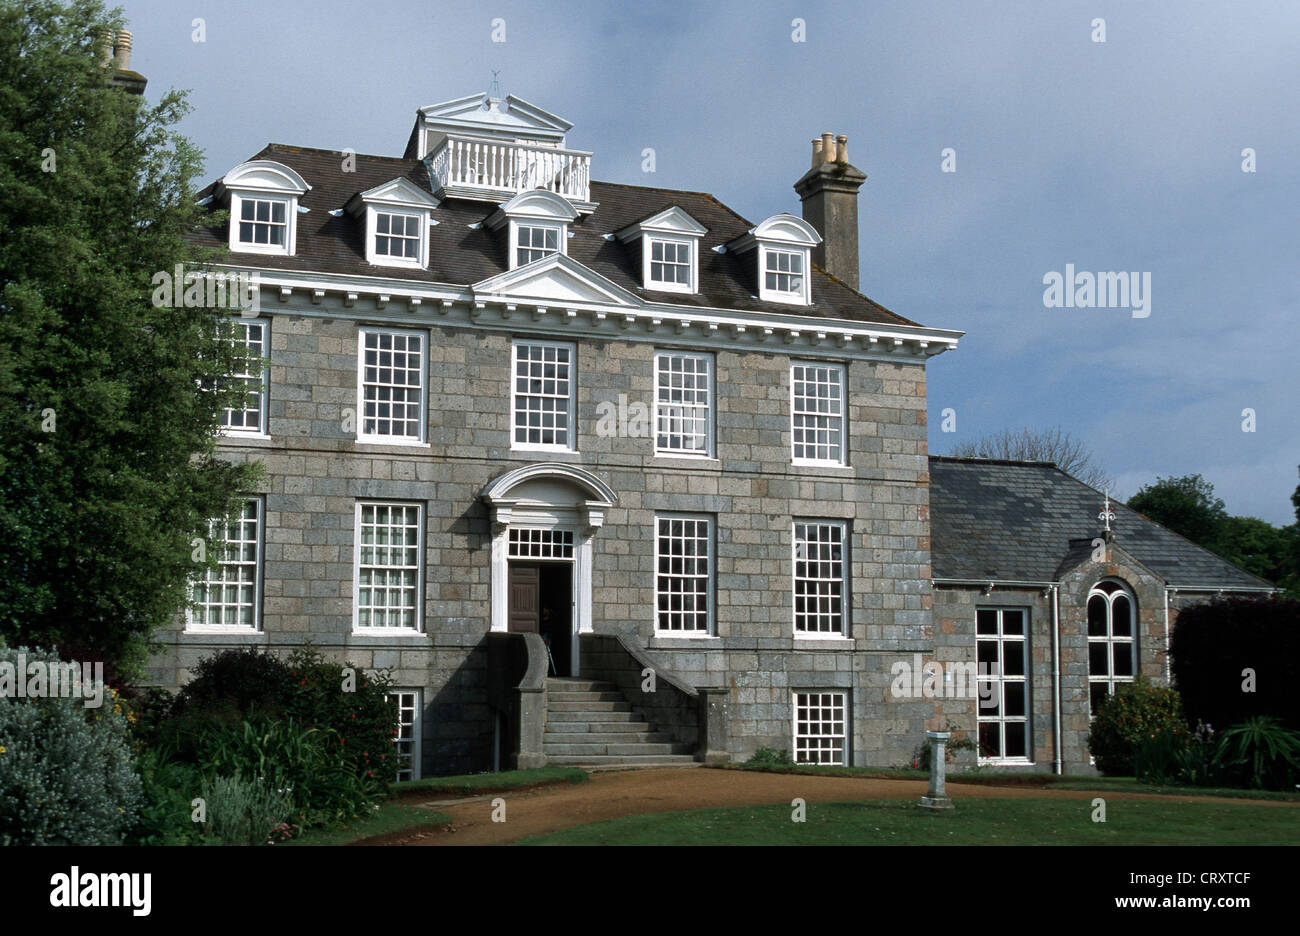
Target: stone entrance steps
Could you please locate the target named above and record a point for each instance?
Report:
(589, 723)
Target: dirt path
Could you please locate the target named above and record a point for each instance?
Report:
(610, 794)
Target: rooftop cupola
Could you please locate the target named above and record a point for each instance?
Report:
(492, 148)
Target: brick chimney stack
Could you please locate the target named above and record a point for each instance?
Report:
(829, 192)
(115, 53)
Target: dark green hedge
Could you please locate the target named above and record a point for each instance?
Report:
(1213, 644)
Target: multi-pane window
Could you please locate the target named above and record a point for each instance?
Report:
(392, 385)
(819, 578)
(543, 395)
(817, 412)
(683, 583)
(535, 242)
(406, 703)
(251, 416)
(263, 222)
(397, 235)
(670, 263)
(388, 565)
(227, 596)
(821, 728)
(783, 271)
(526, 543)
(683, 423)
(1002, 653)
(1112, 641)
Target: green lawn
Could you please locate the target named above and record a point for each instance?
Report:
(391, 817)
(974, 822)
(474, 784)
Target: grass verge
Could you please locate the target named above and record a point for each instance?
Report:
(392, 817)
(1018, 821)
(475, 784)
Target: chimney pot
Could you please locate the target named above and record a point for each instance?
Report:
(841, 149)
(828, 147)
(105, 48)
(817, 151)
(123, 49)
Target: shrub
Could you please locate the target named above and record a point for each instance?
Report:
(770, 757)
(1137, 712)
(66, 773)
(1214, 643)
(166, 818)
(1261, 753)
(244, 812)
(306, 764)
(236, 686)
(921, 757)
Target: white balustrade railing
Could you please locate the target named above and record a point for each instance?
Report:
(510, 167)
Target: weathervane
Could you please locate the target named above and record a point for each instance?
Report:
(1106, 513)
(494, 89)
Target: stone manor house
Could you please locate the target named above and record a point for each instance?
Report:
(607, 473)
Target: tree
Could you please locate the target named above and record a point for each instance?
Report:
(1053, 445)
(1186, 505)
(108, 465)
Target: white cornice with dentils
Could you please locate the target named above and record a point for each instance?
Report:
(402, 301)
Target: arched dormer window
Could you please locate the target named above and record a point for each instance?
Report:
(538, 225)
(1112, 640)
(263, 196)
(782, 248)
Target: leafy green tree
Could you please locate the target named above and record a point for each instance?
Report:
(108, 465)
(1185, 505)
(1255, 545)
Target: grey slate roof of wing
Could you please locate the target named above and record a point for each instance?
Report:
(1014, 521)
(461, 255)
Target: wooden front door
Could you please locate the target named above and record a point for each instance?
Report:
(524, 605)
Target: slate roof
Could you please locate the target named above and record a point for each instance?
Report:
(461, 255)
(992, 519)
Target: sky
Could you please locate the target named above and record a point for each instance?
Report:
(1117, 156)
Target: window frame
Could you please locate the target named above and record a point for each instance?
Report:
(660, 356)
(421, 570)
(804, 295)
(692, 245)
(290, 203)
(516, 224)
(845, 618)
(572, 430)
(710, 590)
(845, 712)
(1109, 640)
(264, 384)
(842, 372)
(1000, 679)
(194, 627)
(421, 258)
(423, 421)
(417, 730)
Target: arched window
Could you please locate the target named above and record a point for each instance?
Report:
(1112, 640)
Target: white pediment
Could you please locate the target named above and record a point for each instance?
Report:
(506, 118)
(559, 279)
(401, 192)
(673, 220)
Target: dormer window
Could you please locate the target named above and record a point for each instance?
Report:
(670, 250)
(397, 236)
(396, 216)
(263, 197)
(263, 221)
(783, 271)
(535, 241)
(538, 223)
(782, 247)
